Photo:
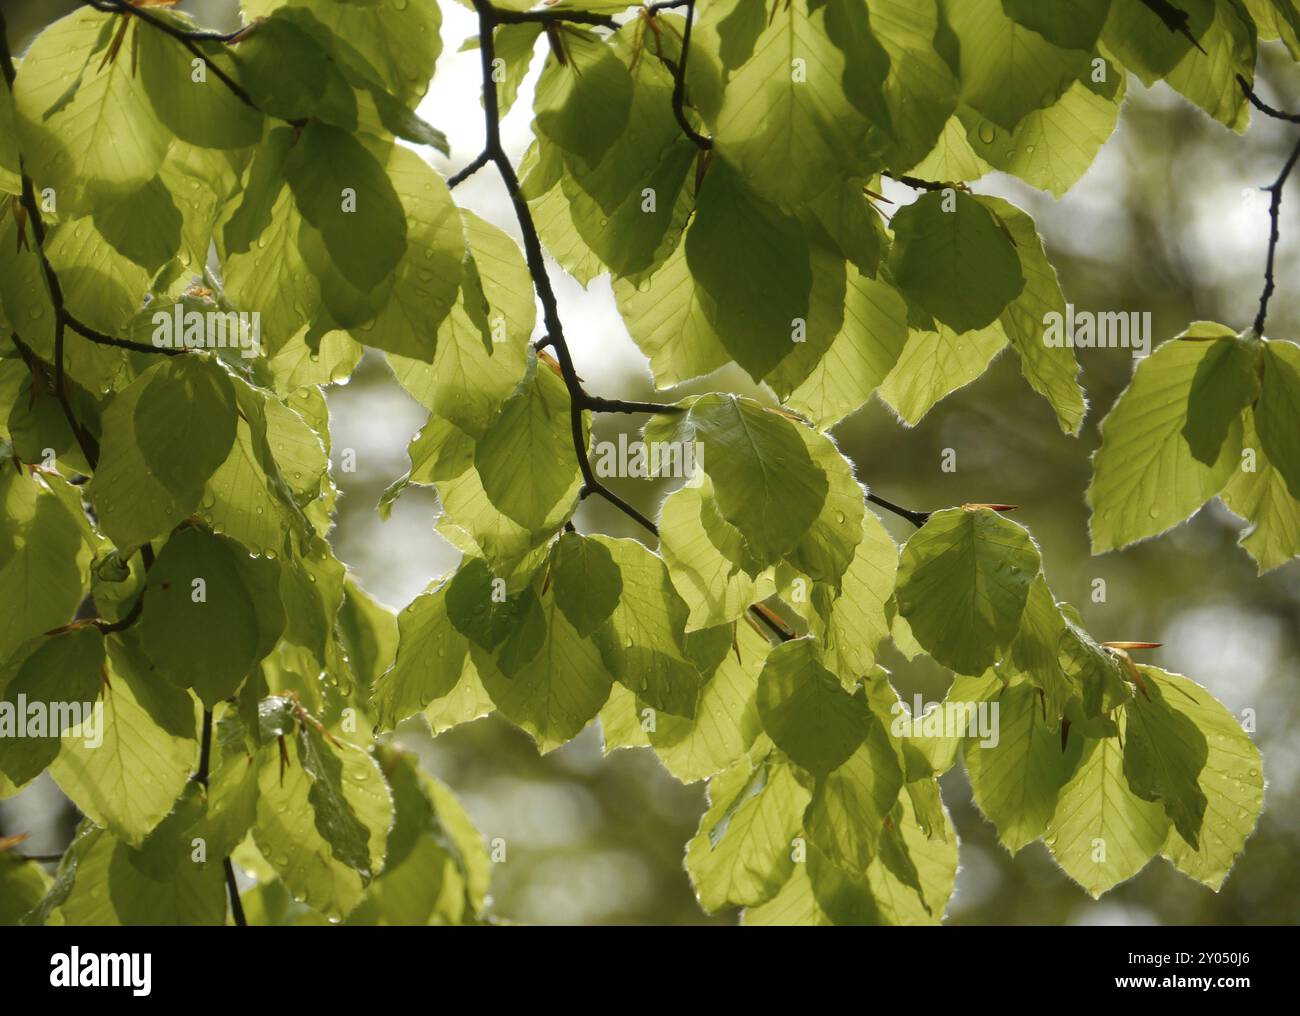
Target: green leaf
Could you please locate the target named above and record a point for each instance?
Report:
(936, 362)
(1102, 833)
(85, 123)
(588, 581)
(786, 106)
(525, 457)
(556, 693)
(1277, 416)
(726, 722)
(430, 658)
(1007, 69)
(1260, 495)
(860, 357)
(930, 860)
(710, 576)
(754, 264)
(210, 614)
(49, 686)
(468, 381)
(108, 888)
(1017, 781)
(919, 89)
(1074, 24)
(963, 580)
(1231, 781)
(1226, 382)
(202, 112)
(480, 609)
(310, 822)
(130, 781)
(582, 104)
(344, 192)
(399, 44)
(849, 806)
(43, 559)
(1052, 371)
(1051, 148)
(1145, 478)
(955, 259)
(765, 482)
(669, 317)
(742, 853)
(1164, 753)
(427, 278)
(859, 618)
(22, 885)
(805, 710)
(184, 423)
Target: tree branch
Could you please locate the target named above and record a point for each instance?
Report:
(1263, 106)
(502, 16)
(1275, 205)
(200, 777)
(679, 85)
(579, 400)
(232, 887)
(1275, 235)
(917, 519)
(916, 183)
(103, 339)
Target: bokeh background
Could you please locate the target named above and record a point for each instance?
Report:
(1170, 220)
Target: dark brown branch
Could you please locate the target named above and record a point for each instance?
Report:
(1275, 205)
(1275, 234)
(205, 751)
(579, 400)
(103, 339)
(35, 366)
(480, 160)
(600, 404)
(232, 887)
(507, 17)
(679, 85)
(917, 519)
(916, 183)
(1263, 106)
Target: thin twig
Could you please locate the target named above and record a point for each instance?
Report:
(679, 85)
(1263, 106)
(917, 519)
(916, 183)
(1275, 234)
(103, 339)
(480, 160)
(507, 17)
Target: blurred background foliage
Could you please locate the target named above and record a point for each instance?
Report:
(1169, 219)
